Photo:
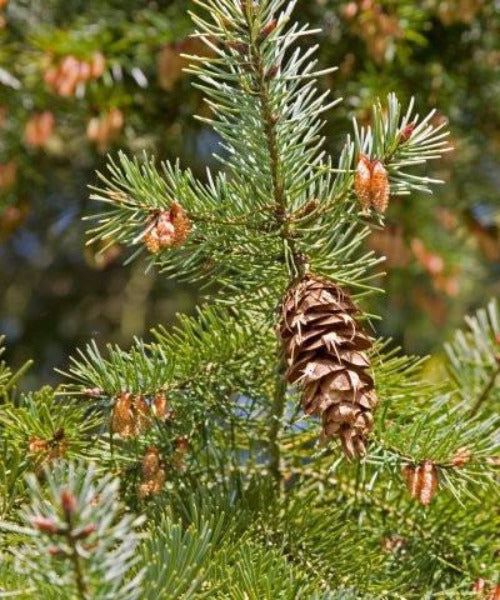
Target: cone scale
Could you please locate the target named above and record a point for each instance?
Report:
(325, 350)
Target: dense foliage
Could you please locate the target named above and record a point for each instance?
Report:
(200, 430)
(79, 79)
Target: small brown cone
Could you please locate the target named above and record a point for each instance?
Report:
(50, 449)
(422, 481)
(152, 474)
(121, 420)
(160, 406)
(326, 354)
(141, 414)
(379, 187)
(160, 232)
(362, 180)
(371, 184)
(167, 229)
(131, 415)
(181, 222)
(37, 445)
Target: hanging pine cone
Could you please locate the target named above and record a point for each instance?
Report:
(325, 351)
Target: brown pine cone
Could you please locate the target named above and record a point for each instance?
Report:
(325, 351)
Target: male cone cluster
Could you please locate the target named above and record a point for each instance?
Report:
(326, 354)
(48, 449)
(371, 184)
(167, 229)
(153, 474)
(132, 414)
(421, 481)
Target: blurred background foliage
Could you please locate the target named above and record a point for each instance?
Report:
(81, 78)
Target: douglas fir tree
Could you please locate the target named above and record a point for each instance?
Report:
(205, 431)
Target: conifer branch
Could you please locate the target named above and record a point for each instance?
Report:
(269, 121)
(486, 392)
(8, 378)
(81, 586)
(402, 141)
(78, 521)
(473, 358)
